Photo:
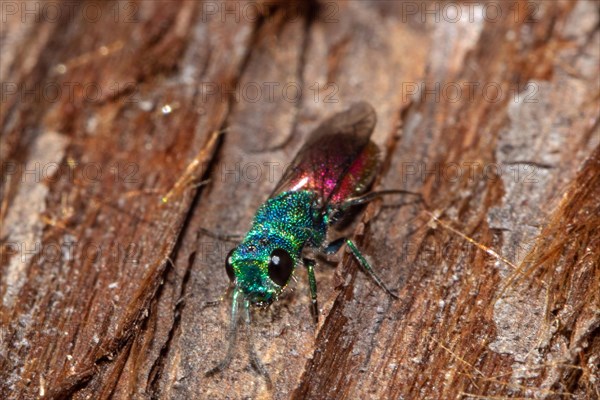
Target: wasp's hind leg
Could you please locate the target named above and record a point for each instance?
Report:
(334, 246)
(367, 267)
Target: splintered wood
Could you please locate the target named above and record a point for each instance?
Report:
(139, 138)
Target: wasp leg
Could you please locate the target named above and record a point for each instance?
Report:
(231, 334)
(213, 303)
(234, 237)
(334, 246)
(365, 198)
(312, 283)
(367, 267)
(254, 360)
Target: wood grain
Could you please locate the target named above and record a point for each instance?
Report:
(489, 109)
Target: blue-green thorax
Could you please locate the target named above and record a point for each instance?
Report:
(287, 222)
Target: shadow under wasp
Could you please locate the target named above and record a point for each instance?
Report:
(330, 175)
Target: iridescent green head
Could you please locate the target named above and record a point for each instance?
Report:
(259, 270)
(263, 263)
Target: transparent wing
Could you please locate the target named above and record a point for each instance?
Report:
(331, 153)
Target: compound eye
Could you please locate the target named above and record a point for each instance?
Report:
(281, 266)
(229, 267)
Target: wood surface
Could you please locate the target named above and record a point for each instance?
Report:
(489, 109)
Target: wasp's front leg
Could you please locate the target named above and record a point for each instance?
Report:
(231, 333)
(312, 283)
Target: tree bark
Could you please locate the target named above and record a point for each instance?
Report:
(136, 135)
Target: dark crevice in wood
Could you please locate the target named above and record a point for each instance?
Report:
(130, 333)
(153, 384)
